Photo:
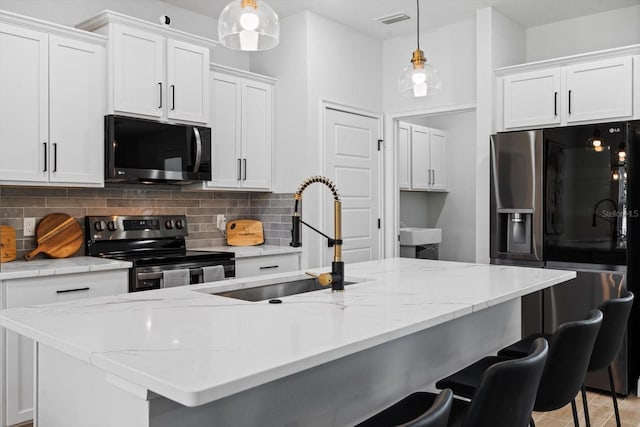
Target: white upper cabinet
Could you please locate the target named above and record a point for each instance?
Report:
(600, 90)
(531, 99)
(138, 72)
(242, 129)
(154, 71)
(421, 158)
(585, 88)
(52, 104)
(404, 155)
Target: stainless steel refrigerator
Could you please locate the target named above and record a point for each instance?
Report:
(567, 198)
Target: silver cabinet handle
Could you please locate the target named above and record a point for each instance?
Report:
(160, 85)
(173, 97)
(196, 165)
(44, 144)
(239, 169)
(244, 169)
(569, 102)
(55, 157)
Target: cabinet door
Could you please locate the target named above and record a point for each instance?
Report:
(256, 134)
(19, 354)
(404, 156)
(438, 157)
(531, 99)
(600, 90)
(24, 98)
(226, 111)
(76, 112)
(138, 61)
(188, 81)
(420, 163)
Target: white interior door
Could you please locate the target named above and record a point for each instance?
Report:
(353, 163)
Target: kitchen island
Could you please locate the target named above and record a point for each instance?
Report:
(182, 356)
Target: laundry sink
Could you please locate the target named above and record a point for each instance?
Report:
(414, 236)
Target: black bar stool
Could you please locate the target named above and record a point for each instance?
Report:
(504, 398)
(616, 313)
(570, 349)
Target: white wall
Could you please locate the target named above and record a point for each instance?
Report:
(451, 49)
(615, 28)
(320, 60)
(72, 12)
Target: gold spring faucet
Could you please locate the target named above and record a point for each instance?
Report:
(336, 277)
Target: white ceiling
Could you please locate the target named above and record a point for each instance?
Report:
(360, 14)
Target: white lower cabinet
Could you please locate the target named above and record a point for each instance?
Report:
(19, 351)
(267, 264)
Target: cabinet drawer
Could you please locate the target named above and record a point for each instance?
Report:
(268, 264)
(67, 287)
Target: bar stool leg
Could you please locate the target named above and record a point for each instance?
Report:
(575, 413)
(613, 395)
(532, 423)
(583, 390)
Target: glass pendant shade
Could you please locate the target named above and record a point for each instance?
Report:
(248, 25)
(419, 79)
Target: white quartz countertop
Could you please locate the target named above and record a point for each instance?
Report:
(51, 267)
(251, 251)
(194, 348)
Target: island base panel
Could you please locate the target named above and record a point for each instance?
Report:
(338, 393)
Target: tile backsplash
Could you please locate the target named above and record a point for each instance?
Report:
(200, 207)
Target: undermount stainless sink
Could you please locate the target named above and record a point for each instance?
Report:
(297, 285)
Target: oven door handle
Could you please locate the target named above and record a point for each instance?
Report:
(196, 165)
(149, 276)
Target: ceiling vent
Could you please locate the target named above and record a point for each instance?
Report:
(393, 18)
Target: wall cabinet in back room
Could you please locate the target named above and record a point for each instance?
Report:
(421, 158)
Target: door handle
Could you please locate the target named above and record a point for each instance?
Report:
(244, 169)
(569, 101)
(555, 103)
(45, 156)
(196, 165)
(55, 157)
(173, 97)
(239, 169)
(433, 181)
(160, 84)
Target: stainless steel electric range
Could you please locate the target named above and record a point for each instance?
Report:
(153, 244)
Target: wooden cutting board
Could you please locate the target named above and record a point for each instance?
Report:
(59, 236)
(245, 232)
(7, 243)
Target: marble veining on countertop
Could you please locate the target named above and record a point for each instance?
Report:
(251, 251)
(194, 347)
(50, 267)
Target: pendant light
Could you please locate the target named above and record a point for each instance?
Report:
(248, 25)
(420, 78)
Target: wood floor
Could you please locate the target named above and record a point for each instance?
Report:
(600, 413)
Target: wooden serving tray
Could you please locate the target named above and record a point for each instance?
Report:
(245, 232)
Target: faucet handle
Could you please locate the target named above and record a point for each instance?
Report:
(325, 279)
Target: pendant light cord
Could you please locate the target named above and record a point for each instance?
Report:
(418, 22)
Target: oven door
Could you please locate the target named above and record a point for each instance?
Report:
(151, 277)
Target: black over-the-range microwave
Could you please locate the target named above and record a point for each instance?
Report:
(145, 151)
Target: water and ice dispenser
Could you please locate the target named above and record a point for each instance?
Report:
(515, 231)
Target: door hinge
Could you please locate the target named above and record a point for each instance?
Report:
(379, 223)
(380, 142)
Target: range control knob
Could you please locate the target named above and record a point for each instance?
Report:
(112, 226)
(179, 224)
(168, 224)
(99, 225)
